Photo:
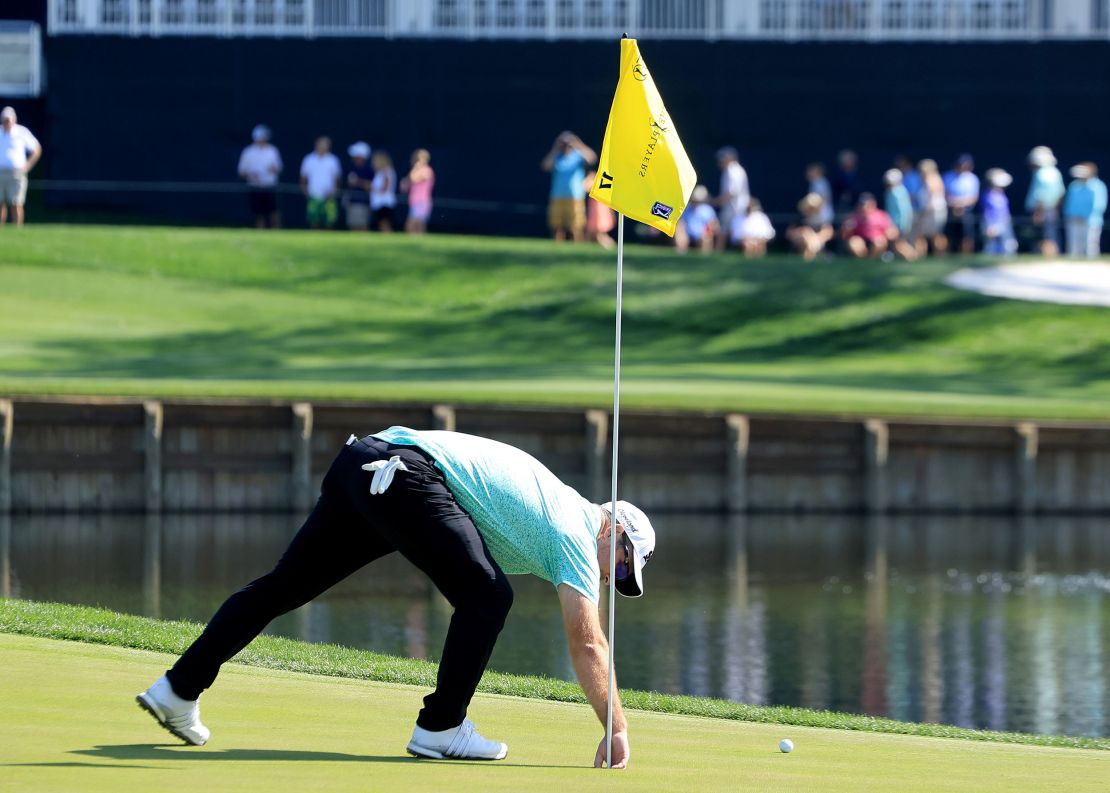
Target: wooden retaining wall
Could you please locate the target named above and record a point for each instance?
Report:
(101, 455)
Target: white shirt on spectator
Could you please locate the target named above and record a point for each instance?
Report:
(260, 165)
(752, 226)
(15, 146)
(383, 189)
(321, 172)
(734, 187)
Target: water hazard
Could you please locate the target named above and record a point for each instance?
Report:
(980, 622)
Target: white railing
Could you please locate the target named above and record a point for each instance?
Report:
(20, 59)
(783, 20)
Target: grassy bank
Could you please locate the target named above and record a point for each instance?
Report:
(186, 312)
(68, 722)
(79, 623)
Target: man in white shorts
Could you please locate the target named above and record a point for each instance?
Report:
(19, 151)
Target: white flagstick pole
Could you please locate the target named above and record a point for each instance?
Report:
(613, 493)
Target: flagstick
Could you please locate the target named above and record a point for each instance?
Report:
(613, 493)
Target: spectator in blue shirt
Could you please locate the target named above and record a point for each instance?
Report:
(1046, 190)
(998, 226)
(1084, 207)
(911, 180)
(897, 204)
(1098, 212)
(961, 187)
(566, 162)
(699, 224)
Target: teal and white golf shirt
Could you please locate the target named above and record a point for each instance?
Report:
(531, 521)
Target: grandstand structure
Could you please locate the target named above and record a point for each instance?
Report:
(707, 20)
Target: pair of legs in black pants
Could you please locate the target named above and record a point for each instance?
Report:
(417, 516)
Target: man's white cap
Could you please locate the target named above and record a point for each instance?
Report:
(260, 132)
(1080, 171)
(701, 193)
(639, 530)
(1042, 156)
(359, 149)
(893, 176)
(996, 177)
(8, 112)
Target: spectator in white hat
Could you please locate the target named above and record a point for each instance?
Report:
(998, 226)
(1084, 207)
(699, 224)
(1046, 191)
(360, 176)
(19, 151)
(260, 166)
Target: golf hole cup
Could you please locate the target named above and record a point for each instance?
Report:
(786, 745)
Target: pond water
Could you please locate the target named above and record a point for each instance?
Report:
(980, 622)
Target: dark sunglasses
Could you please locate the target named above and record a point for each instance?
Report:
(624, 569)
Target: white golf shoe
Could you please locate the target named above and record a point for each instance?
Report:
(458, 743)
(179, 716)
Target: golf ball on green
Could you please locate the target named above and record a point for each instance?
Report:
(786, 745)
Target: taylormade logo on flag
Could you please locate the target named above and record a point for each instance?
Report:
(644, 172)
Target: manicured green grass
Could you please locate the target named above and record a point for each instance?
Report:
(187, 312)
(68, 722)
(80, 623)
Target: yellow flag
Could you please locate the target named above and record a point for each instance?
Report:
(644, 172)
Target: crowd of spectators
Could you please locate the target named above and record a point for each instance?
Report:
(366, 189)
(920, 212)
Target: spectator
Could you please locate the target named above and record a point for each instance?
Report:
(1046, 190)
(734, 197)
(19, 151)
(815, 175)
(259, 166)
(359, 178)
(934, 213)
(1079, 206)
(699, 224)
(566, 162)
(383, 193)
(998, 226)
(813, 232)
(753, 231)
(599, 218)
(869, 231)
(846, 182)
(1098, 213)
(897, 205)
(961, 187)
(418, 184)
(320, 174)
(911, 180)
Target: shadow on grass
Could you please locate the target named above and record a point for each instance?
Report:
(143, 751)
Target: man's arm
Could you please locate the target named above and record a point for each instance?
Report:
(589, 652)
(36, 152)
(588, 154)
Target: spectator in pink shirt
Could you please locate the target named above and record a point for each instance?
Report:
(418, 184)
(869, 231)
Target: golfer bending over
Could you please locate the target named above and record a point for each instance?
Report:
(466, 511)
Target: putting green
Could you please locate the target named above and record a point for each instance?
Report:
(68, 722)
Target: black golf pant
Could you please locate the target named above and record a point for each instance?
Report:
(349, 528)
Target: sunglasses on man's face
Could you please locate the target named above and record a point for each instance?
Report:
(624, 569)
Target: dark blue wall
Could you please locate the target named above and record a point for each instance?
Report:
(181, 109)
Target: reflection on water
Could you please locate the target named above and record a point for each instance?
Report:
(984, 622)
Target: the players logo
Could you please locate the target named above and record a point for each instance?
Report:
(659, 209)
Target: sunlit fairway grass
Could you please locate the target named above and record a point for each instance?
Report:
(188, 312)
(68, 722)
